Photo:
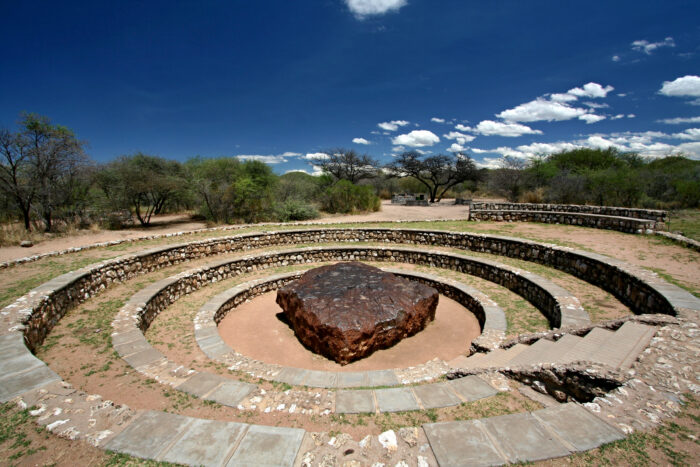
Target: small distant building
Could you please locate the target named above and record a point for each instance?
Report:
(409, 199)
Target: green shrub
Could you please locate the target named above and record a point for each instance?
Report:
(344, 198)
(294, 210)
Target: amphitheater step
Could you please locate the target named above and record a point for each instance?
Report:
(539, 352)
(525, 437)
(586, 347)
(622, 350)
(563, 346)
(501, 357)
(191, 441)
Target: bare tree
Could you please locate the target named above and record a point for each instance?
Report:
(39, 166)
(437, 173)
(56, 157)
(508, 178)
(16, 178)
(346, 164)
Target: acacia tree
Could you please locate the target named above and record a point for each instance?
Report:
(40, 167)
(143, 183)
(437, 173)
(346, 164)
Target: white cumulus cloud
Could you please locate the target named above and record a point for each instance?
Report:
(364, 8)
(437, 120)
(491, 128)
(417, 139)
(591, 118)
(360, 141)
(678, 120)
(541, 109)
(690, 133)
(591, 90)
(456, 147)
(648, 47)
(461, 138)
(266, 159)
(562, 97)
(315, 155)
(392, 125)
(688, 85)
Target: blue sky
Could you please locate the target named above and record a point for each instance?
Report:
(282, 80)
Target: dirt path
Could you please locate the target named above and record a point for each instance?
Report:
(172, 223)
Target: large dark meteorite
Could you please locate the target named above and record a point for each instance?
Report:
(346, 311)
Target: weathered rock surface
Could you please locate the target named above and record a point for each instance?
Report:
(346, 311)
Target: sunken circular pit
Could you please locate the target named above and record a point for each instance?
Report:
(524, 358)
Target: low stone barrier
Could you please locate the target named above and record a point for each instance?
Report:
(681, 240)
(648, 214)
(642, 291)
(596, 221)
(491, 318)
(560, 307)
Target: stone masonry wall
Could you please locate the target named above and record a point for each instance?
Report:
(37, 312)
(648, 214)
(622, 224)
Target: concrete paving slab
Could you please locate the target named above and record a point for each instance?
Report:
(12, 345)
(268, 446)
(13, 385)
(216, 351)
(433, 396)
(21, 362)
(143, 358)
(522, 438)
(231, 393)
(354, 379)
(578, 427)
(320, 379)
(382, 378)
(209, 341)
(130, 348)
(200, 384)
(462, 443)
(124, 337)
(359, 401)
(396, 400)
(205, 331)
(472, 388)
(293, 376)
(149, 434)
(205, 442)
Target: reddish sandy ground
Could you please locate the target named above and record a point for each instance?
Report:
(254, 322)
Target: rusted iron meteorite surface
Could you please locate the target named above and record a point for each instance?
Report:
(346, 311)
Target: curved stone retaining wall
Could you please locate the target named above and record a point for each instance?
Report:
(622, 224)
(648, 214)
(558, 306)
(642, 291)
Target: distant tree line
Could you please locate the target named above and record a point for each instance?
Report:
(47, 182)
(605, 177)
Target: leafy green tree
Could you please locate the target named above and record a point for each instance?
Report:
(345, 197)
(142, 183)
(210, 180)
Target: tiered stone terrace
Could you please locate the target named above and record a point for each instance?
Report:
(628, 220)
(555, 431)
